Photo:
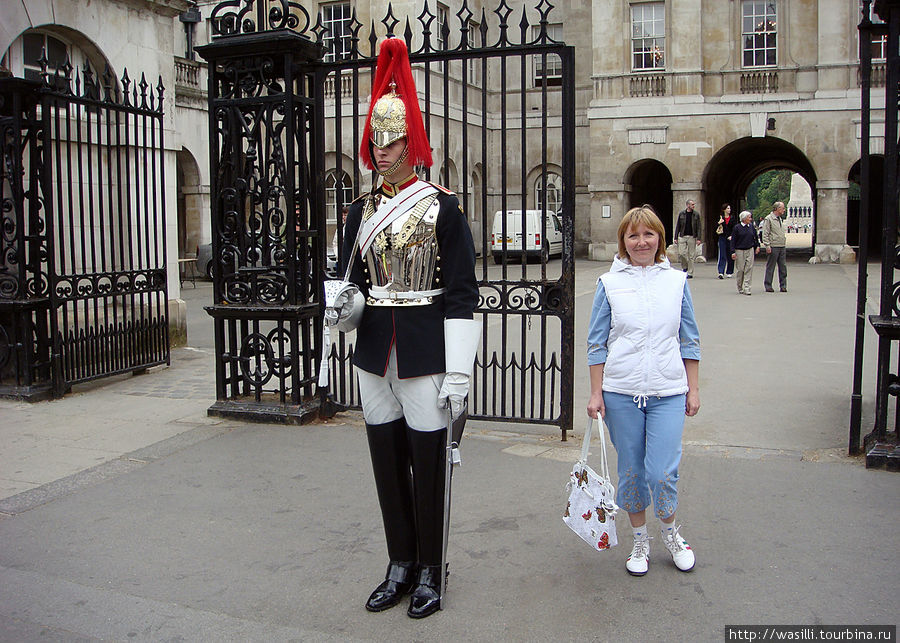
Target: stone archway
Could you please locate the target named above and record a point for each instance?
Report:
(450, 176)
(650, 182)
(731, 170)
(193, 215)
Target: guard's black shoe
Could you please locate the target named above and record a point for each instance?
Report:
(426, 595)
(397, 582)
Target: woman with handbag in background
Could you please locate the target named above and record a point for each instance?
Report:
(723, 230)
(644, 361)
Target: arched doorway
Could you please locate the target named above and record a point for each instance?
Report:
(449, 176)
(876, 199)
(733, 168)
(192, 215)
(649, 182)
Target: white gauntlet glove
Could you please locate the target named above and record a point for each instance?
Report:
(461, 337)
(453, 393)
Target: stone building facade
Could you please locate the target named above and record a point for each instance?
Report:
(140, 37)
(674, 99)
(734, 89)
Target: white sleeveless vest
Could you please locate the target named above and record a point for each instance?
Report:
(644, 355)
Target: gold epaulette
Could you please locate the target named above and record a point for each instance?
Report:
(441, 188)
(360, 197)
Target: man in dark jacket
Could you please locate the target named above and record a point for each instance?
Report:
(744, 246)
(687, 236)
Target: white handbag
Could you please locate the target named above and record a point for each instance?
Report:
(591, 507)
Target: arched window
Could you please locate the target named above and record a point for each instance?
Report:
(24, 55)
(338, 193)
(552, 201)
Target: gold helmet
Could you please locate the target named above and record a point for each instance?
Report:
(388, 122)
(394, 110)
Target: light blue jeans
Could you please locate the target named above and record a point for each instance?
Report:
(647, 436)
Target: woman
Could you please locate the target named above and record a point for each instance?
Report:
(723, 229)
(643, 355)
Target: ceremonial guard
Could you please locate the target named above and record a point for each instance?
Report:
(414, 262)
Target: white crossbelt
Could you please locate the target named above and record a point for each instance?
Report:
(390, 210)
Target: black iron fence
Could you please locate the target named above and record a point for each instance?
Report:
(882, 444)
(83, 290)
(267, 225)
(497, 92)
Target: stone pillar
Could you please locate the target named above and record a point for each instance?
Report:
(831, 221)
(608, 206)
(196, 216)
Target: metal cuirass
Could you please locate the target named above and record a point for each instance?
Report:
(402, 258)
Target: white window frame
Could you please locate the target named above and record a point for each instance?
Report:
(759, 33)
(440, 20)
(648, 36)
(554, 192)
(473, 66)
(14, 60)
(552, 75)
(337, 45)
(879, 43)
(331, 188)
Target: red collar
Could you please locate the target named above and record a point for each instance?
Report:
(392, 189)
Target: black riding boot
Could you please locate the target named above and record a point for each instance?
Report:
(389, 448)
(428, 451)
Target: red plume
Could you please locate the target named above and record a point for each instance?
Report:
(393, 64)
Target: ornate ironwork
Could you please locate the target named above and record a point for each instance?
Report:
(246, 17)
(529, 381)
(881, 445)
(234, 17)
(83, 288)
(267, 219)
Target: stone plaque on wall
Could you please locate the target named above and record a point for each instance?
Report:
(647, 135)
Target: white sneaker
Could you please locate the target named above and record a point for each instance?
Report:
(639, 560)
(682, 555)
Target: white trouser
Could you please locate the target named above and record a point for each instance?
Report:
(389, 398)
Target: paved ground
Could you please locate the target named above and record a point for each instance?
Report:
(128, 514)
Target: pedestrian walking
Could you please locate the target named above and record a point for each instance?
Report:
(774, 240)
(416, 342)
(644, 362)
(687, 236)
(744, 248)
(723, 231)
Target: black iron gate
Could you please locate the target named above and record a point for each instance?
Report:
(499, 111)
(882, 444)
(83, 291)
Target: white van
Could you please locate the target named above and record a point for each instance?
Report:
(539, 242)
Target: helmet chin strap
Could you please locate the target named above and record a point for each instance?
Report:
(400, 161)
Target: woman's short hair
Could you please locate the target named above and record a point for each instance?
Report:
(744, 214)
(635, 217)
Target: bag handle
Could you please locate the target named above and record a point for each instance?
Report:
(586, 445)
